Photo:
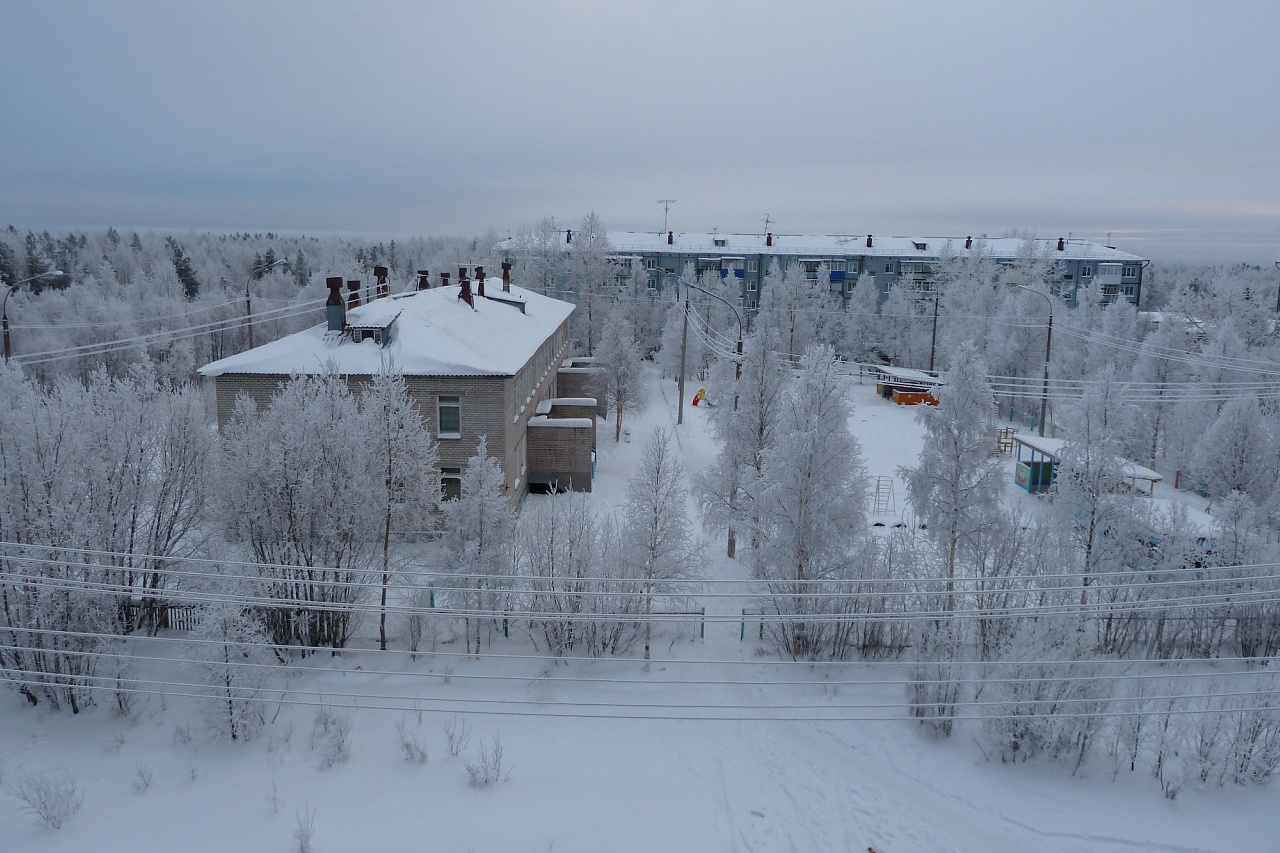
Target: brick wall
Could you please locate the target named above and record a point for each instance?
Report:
(488, 406)
(561, 455)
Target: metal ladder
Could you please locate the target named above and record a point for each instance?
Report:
(884, 501)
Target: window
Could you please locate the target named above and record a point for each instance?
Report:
(450, 484)
(1128, 290)
(751, 286)
(753, 265)
(650, 263)
(450, 409)
(835, 266)
(1130, 272)
(888, 266)
(1086, 271)
(653, 283)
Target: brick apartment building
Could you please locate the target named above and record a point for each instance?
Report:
(480, 358)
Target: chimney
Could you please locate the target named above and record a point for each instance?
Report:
(383, 289)
(1062, 245)
(568, 235)
(480, 281)
(868, 241)
(465, 293)
(444, 279)
(353, 294)
(424, 280)
(768, 238)
(333, 305)
(506, 276)
(671, 237)
(968, 242)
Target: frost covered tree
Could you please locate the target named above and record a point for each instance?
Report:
(405, 455)
(811, 513)
(478, 530)
(569, 558)
(1099, 515)
(861, 337)
(657, 542)
(621, 376)
(956, 487)
(589, 273)
(300, 491)
(101, 486)
(727, 492)
(787, 302)
(228, 653)
(1237, 452)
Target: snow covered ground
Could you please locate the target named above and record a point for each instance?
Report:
(599, 754)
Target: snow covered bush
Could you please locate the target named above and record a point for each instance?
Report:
(229, 654)
(935, 678)
(331, 736)
(488, 768)
(51, 797)
(569, 558)
(411, 746)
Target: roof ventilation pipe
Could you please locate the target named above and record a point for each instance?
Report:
(480, 282)
(383, 289)
(465, 284)
(568, 235)
(444, 279)
(768, 238)
(968, 242)
(1062, 245)
(333, 309)
(506, 276)
(353, 293)
(671, 238)
(868, 241)
(424, 280)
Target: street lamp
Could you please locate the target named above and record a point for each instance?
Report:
(248, 307)
(1048, 341)
(4, 304)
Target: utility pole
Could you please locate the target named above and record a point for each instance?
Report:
(684, 340)
(1048, 342)
(666, 206)
(933, 341)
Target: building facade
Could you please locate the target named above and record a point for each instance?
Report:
(476, 363)
(1074, 264)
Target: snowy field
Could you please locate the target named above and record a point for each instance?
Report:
(598, 755)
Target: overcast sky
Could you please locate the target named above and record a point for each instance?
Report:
(1155, 122)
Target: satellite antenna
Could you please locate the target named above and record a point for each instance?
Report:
(666, 206)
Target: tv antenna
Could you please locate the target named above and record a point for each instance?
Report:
(766, 223)
(666, 206)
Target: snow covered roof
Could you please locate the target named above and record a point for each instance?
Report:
(1052, 447)
(908, 374)
(838, 245)
(436, 333)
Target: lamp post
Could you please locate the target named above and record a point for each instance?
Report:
(4, 303)
(248, 305)
(1048, 341)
